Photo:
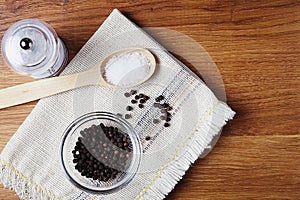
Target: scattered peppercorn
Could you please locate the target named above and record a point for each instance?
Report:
(162, 117)
(147, 138)
(129, 108)
(127, 116)
(126, 94)
(142, 101)
(168, 114)
(146, 98)
(133, 92)
(169, 108)
(164, 110)
(155, 121)
(133, 101)
(161, 97)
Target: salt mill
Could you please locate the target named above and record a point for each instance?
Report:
(32, 47)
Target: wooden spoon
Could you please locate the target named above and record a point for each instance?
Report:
(31, 91)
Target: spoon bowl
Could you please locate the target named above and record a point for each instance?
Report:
(143, 52)
(31, 91)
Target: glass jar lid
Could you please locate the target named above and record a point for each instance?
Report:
(30, 46)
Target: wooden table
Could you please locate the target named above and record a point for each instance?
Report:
(256, 46)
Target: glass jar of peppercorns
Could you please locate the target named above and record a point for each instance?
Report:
(100, 152)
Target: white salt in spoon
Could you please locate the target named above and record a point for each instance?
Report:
(31, 91)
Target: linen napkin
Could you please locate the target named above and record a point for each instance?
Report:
(30, 161)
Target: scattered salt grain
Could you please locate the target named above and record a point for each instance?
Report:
(126, 69)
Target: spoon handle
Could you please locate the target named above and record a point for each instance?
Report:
(31, 91)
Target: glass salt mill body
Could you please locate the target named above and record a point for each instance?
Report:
(32, 47)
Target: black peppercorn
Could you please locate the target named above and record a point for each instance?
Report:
(168, 114)
(155, 121)
(133, 101)
(129, 108)
(127, 116)
(166, 124)
(163, 110)
(126, 94)
(141, 106)
(169, 108)
(120, 144)
(142, 101)
(162, 117)
(161, 97)
(146, 98)
(133, 92)
(147, 138)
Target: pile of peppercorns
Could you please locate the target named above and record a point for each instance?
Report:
(102, 152)
(139, 99)
(165, 109)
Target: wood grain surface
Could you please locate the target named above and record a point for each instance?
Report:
(256, 46)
